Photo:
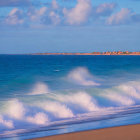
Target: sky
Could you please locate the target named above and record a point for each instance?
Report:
(38, 26)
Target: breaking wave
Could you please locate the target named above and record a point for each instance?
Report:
(40, 88)
(133, 90)
(124, 94)
(81, 99)
(119, 99)
(6, 123)
(15, 109)
(66, 105)
(39, 118)
(81, 76)
(59, 110)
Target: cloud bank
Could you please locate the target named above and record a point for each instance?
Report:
(81, 13)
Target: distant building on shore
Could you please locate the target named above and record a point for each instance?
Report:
(93, 53)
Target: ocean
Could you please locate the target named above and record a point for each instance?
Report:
(44, 95)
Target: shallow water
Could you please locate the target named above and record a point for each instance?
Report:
(47, 95)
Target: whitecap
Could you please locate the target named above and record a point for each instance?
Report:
(6, 123)
(118, 98)
(81, 99)
(39, 118)
(16, 109)
(81, 76)
(57, 109)
(39, 88)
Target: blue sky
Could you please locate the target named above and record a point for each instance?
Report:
(28, 26)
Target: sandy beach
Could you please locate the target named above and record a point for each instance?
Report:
(130, 132)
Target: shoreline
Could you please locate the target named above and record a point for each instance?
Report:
(75, 54)
(91, 53)
(70, 54)
(127, 132)
(86, 54)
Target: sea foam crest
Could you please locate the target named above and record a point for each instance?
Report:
(81, 99)
(6, 123)
(118, 98)
(57, 109)
(39, 118)
(40, 88)
(81, 76)
(125, 94)
(132, 90)
(16, 109)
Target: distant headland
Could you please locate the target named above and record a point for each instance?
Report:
(92, 53)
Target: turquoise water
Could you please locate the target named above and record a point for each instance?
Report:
(48, 95)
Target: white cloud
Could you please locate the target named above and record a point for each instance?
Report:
(55, 18)
(45, 15)
(55, 4)
(36, 14)
(105, 9)
(15, 17)
(79, 14)
(122, 17)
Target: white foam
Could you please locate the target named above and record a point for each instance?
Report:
(40, 88)
(16, 109)
(39, 118)
(57, 109)
(131, 90)
(82, 76)
(81, 99)
(120, 99)
(7, 123)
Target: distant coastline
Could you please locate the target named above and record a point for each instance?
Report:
(92, 53)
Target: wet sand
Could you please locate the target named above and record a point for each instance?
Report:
(129, 132)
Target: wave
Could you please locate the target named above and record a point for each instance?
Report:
(71, 106)
(15, 109)
(59, 110)
(6, 123)
(40, 88)
(16, 112)
(81, 76)
(124, 94)
(39, 118)
(119, 99)
(21, 114)
(81, 99)
(131, 89)
(104, 114)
